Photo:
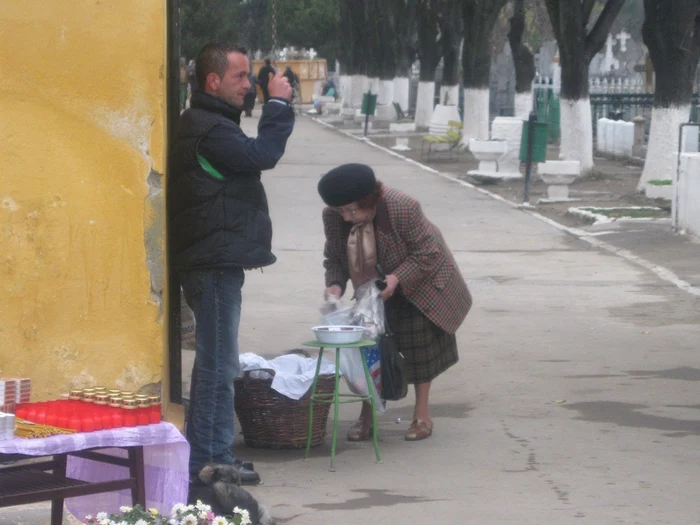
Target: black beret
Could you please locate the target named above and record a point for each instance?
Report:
(346, 183)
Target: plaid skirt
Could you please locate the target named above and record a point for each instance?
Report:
(427, 349)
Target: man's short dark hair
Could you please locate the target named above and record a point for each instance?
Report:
(213, 58)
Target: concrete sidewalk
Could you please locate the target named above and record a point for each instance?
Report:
(576, 396)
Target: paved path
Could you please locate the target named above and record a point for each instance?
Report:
(576, 396)
(575, 399)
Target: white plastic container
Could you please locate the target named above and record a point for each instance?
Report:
(338, 334)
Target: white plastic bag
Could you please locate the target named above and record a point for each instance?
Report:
(368, 310)
(354, 373)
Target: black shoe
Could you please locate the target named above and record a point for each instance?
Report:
(248, 476)
(244, 464)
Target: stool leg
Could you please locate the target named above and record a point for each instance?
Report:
(368, 379)
(311, 404)
(335, 407)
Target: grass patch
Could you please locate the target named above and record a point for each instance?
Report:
(658, 182)
(632, 213)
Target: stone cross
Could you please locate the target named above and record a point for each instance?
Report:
(623, 37)
(609, 62)
(312, 53)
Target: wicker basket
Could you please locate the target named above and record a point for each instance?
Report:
(271, 420)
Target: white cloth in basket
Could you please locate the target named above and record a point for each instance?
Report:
(294, 374)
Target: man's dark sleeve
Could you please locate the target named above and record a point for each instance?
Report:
(229, 150)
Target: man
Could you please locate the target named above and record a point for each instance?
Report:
(219, 216)
(263, 76)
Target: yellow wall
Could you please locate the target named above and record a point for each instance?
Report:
(82, 125)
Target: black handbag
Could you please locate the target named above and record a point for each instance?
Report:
(392, 364)
(393, 368)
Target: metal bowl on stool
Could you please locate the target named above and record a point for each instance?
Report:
(338, 335)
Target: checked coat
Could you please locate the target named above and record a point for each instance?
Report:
(410, 247)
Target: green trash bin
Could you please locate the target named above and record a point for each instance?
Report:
(539, 145)
(369, 103)
(554, 120)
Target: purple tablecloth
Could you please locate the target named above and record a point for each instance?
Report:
(166, 456)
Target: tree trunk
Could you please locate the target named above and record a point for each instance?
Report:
(451, 32)
(479, 18)
(350, 27)
(429, 55)
(428, 45)
(577, 46)
(354, 49)
(386, 51)
(671, 32)
(375, 57)
(404, 22)
(406, 36)
(523, 59)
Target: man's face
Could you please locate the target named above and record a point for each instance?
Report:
(233, 86)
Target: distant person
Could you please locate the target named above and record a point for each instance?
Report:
(264, 79)
(250, 96)
(329, 88)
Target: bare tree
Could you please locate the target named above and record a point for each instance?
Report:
(579, 39)
(671, 32)
(479, 18)
(523, 59)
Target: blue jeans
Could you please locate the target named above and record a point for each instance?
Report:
(215, 298)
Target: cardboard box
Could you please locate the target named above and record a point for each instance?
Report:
(15, 390)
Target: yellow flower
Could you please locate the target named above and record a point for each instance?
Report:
(153, 511)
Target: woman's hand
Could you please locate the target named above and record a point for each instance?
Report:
(391, 283)
(334, 291)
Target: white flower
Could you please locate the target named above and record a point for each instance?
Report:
(104, 521)
(173, 521)
(245, 516)
(101, 516)
(88, 517)
(125, 509)
(178, 508)
(141, 522)
(189, 520)
(202, 507)
(219, 520)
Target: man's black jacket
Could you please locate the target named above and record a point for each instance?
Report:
(216, 202)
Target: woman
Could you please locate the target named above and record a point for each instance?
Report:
(426, 298)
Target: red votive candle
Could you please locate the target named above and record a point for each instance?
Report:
(130, 408)
(154, 410)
